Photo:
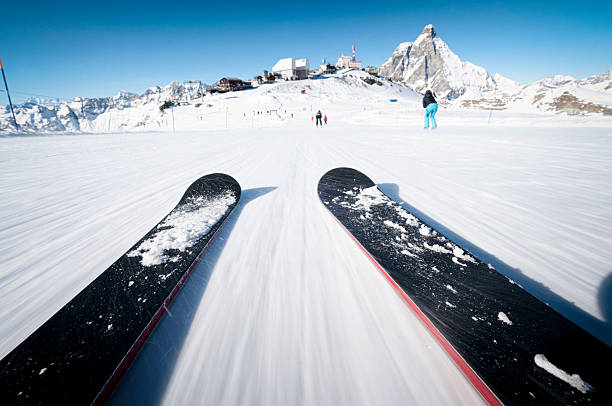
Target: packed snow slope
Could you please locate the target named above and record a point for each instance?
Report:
(130, 112)
(284, 308)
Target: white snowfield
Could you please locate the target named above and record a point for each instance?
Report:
(284, 308)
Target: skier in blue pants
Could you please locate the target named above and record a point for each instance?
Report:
(430, 105)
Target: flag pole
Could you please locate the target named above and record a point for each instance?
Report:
(9, 96)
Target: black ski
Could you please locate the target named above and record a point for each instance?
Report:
(80, 354)
(504, 339)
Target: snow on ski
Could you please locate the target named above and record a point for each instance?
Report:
(80, 354)
(511, 346)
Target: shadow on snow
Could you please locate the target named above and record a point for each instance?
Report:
(600, 329)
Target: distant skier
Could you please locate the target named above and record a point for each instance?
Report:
(325, 119)
(430, 105)
(319, 115)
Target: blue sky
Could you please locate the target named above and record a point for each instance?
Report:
(67, 49)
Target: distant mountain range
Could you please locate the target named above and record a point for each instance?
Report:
(564, 94)
(123, 111)
(428, 63)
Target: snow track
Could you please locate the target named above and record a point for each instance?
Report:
(286, 309)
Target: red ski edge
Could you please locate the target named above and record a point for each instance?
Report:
(126, 362)
(469, 373)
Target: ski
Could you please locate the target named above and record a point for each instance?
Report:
(80, 354)
(512, 347)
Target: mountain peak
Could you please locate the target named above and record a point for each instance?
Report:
(428, 64)
(429, 30)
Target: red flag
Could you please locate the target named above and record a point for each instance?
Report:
(1, 64)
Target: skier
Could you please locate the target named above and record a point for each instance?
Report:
(319, 115)
(325, 119)
(430, 105)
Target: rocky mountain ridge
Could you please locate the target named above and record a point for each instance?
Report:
(564, 94)
(428, 63)
(100, 114)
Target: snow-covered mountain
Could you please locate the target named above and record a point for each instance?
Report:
(129, 112)
(564, 94)
(459, 85)
(428, 63)
(123, 111)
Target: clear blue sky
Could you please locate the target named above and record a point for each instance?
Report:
(79, 48)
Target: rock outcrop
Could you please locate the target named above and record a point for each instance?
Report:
(428, 63)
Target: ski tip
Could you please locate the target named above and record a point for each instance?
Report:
(212, 185)
(342, 171)
(342, 179)
(220, 178)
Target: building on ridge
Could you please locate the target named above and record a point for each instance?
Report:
(326, 68)
(372, 70)
(232, 84)
(292, 69)
(348, 62)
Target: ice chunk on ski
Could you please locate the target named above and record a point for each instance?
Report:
(365, 199)
(574, 379)
(437, 248)
(394, 225)
(459, 253)
(456, 260)
(501, 316)
(424, 230)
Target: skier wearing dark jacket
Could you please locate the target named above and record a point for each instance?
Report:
(318, 116)
(431, 106)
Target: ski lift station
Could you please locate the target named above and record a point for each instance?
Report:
(292, 69)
